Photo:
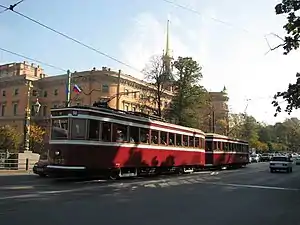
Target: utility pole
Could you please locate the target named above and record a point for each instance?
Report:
(118, 90)
(213, 121)
(27, 118)
(68, 87)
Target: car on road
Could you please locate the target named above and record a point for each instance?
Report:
(265, 157)
(297, 160)
(254, 158)
(279, 163)
(40, 166)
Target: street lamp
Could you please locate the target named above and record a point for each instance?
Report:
(36, 106)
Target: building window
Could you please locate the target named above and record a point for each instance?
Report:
(45, 110)
(134, 94)
(54, 106)
(16, 91)
(3, 110)
(105, 88)
(34, 93)
(15, 109)
(126, 91)
(45, 94)
(55, 92)
(3, 93)
(133, 109)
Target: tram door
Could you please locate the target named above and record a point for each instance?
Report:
(209, 156)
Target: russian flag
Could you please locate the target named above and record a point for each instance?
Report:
(77, 89)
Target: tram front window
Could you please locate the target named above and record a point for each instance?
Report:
(59, 129)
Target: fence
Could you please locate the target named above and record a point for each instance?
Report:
(18, 161)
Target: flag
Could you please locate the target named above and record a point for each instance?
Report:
(77, 89)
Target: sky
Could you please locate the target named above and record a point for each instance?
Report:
(227, 38)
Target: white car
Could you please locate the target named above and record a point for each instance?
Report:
(281, 163)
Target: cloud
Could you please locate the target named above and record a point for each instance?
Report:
(229, 57)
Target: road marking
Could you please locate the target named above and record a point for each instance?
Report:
(16, 187)
(252, 186)
(150, 185)
(163, 184)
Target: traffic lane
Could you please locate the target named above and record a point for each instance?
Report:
(36, 185)
(192, 203)
(261, 176)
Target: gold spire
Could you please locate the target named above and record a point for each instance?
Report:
(167, 58)
(167, 53)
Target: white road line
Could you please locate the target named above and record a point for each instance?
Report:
(252, 186)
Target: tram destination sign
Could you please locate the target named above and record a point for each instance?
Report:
(60, 113)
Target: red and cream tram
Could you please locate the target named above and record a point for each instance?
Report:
(93, 141)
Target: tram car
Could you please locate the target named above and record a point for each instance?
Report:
(99, 141)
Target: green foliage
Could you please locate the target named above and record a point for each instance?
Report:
(279, 137)
(9, 139)
(290, 42)
(36, 138)
(190, 98)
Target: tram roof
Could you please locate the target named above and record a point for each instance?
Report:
(153, 120)
(219, 136)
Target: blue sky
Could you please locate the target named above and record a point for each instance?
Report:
(134, 30)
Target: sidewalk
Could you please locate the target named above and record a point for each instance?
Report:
(15, 172)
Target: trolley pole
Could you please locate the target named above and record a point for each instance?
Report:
(118, 91)
(68, 87)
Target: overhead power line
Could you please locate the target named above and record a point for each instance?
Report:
(70, 38)
(11, 7)
(184, 7)
(34, 60)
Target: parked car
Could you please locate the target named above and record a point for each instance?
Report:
(39, 167)
(281, 163)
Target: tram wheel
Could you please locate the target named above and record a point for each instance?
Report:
(114, 175)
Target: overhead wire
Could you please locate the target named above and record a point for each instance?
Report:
(69, 37)
(32, 59)
(11, 7)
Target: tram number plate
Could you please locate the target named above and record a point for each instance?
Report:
(128, 174)
(39, 169)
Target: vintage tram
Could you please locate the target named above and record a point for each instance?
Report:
(99, 141)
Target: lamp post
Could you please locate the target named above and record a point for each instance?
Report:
(36, 108)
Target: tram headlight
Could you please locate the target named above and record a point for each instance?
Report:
(57, 153)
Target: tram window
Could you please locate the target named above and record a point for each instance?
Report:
(94, 129)
(208, 145)
(134, 134)
(185, 140)
(59, 129)
(225, 146)
(171, 139)
(78, 128)
(106, 132)
(144, 135)
(120, 133)
(163, 138)
(197, 143)
(191, 141)
(154, 137)
(178, 139)
(219, 147)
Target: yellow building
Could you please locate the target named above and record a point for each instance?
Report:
(95, 84)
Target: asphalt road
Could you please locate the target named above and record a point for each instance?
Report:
(250, 195)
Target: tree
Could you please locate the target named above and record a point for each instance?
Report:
(37, 138)
(9, 139)
(155, 74)
(290, 42)
(190, 97)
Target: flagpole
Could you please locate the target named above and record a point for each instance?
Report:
(68, 96)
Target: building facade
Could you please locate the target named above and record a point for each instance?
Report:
(23, 83)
